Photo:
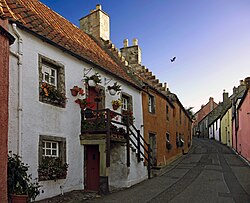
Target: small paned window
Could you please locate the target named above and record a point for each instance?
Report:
(51, 82)
(167, 112)
(50, 149)
(151, 104)
(49, 75)
(124, 103)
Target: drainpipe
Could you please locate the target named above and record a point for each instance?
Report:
(19, 56)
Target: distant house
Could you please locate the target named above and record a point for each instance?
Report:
(200, 126)
(242, 138)
(238, 92)
(214, 122)
(6, 39)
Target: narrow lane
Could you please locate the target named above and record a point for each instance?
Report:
(211, 172)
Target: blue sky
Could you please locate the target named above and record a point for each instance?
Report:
(210, 38)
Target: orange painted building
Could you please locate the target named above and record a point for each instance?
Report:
(158, 122)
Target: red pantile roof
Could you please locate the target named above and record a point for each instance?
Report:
(38, 18)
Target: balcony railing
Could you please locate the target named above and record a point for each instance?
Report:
(117, 128)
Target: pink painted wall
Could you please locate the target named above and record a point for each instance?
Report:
(243, 136)
(4, 90)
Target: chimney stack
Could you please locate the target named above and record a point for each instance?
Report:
(225, 96)
(247, 82)
(96, 24)
(132, 54)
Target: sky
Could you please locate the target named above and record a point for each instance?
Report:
(209, 38)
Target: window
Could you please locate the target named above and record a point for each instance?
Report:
(216, 125)
(124, 103)
(51, 82)
(50, 149)
(167, 112)
(151, 104)
(52, 158)
(180, 116)
(168, 144)
(49, 75)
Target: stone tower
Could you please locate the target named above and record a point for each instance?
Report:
(132, 54)
(96, 23)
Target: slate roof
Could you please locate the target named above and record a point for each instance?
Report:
(37, 18)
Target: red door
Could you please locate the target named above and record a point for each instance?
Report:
(92, 167)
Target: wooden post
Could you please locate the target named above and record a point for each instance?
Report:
(138, 146)
(128, 146)
(149, 162)
(108, 140)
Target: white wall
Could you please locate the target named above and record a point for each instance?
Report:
(43, 119)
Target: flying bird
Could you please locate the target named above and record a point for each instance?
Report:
(173, 59)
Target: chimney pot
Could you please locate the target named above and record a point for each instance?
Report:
(98, 7)
(125, 43)
(242, 82)
(135, 42)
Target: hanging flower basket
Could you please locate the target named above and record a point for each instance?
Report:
(93, 80)
(114, 89)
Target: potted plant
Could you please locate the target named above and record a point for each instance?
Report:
(127, 117)
(50, 94)
(76, 90)
(116, 104)
(93, 80)
(52, 168)
(114, 89)
(21, 187)
(83, 103)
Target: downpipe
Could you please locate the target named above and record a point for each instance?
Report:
(19, 56)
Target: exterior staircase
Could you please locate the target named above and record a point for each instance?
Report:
(115, 128)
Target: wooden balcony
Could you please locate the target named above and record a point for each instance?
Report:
(103, 124)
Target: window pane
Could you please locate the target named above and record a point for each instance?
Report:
(43, 144)
(52, 81)
(54, 152)
(52, 72)
(46, 77)
(48, 152)
(43, 151)
(54, 145)
(48, 145)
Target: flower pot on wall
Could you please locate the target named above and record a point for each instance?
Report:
(112, 92)
(19, 198)
(74, 92)
(91, 83)
(115, 107)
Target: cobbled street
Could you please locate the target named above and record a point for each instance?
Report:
(211, 172)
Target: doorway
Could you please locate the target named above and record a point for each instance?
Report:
(152, 142)
(92, 167)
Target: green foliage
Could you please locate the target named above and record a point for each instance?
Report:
(96, 77)
(19, 182)
(52, 168)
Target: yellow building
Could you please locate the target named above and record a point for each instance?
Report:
(226, 126)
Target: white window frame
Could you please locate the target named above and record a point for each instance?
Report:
(47, 70)
(151, 104)
(45, 148)
(124, 103)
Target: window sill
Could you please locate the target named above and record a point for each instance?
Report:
(57, 103)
